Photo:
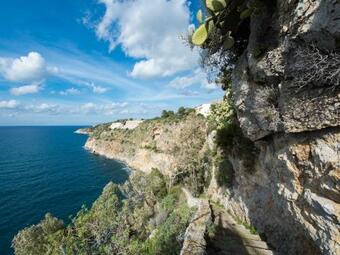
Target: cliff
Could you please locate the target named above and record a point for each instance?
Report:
(286, 101)
(286, 195)
(172, 145)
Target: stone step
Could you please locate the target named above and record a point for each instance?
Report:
(259, 252)
(255, 244)
(235, 238)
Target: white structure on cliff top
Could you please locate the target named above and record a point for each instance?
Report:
(129, 124)
(203, 109)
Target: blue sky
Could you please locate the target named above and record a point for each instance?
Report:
(86, 62)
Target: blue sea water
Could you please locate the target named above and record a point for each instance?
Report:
(46, 169)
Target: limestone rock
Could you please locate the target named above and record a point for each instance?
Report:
(265, 89)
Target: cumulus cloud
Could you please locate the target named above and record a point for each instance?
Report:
(104, 29)
(27, 89)
(197, 77)
(23, 69)
(150, 32)
(10, 104)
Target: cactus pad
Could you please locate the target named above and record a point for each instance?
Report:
(200, 35)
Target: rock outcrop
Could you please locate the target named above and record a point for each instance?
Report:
(292, 195)
(289, 88)
(291, 112)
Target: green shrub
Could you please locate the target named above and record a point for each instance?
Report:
(156, 183)
(167, 114)
(225, 172)
(229, 136)
(35, 240)
(248, 226)
(170, 235)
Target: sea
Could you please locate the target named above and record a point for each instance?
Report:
(47, 169)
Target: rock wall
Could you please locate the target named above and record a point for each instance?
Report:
(141, 159)
(269, 93)
(292, 196)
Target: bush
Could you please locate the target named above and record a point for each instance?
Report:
(229, 136)
(225, 172)
(115, 224)
(35, 239)
(167, 114)
(156, 183)
(170, 235)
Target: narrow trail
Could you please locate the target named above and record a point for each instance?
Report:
(232, 238)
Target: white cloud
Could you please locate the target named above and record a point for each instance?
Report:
(46, 108)
(105, 109)
(198, 77)
(28, 89)
(103, 29)
(10, 104)
(70, 91)
(150, 31)
(98, 89)
(189, 93)
(88, 107)
(24, 69)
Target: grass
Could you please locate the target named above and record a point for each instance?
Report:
(248, 226)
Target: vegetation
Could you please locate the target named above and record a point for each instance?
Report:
(248, 226)
(315, 68)
(224, 17)
(32, 240)
(181, 134)
(140, 217)
(100, 129)
(225, 171)
(181, 113)
(222, 34)
(230, 141)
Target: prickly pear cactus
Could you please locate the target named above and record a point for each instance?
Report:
(225, 17)
(200, 35)
(216, 5)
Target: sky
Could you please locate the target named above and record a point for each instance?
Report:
(84, 62)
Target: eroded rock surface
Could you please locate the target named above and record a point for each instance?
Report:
(268, 93)
(293, 194)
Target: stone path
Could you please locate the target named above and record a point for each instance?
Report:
(232, 238)
(194, 242)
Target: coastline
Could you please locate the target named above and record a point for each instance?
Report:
(142, 159)
(128, 168)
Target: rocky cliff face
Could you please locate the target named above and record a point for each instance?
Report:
(288, 101)
(292, 86)
(161, 143)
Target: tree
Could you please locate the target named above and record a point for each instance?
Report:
(167, 114)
